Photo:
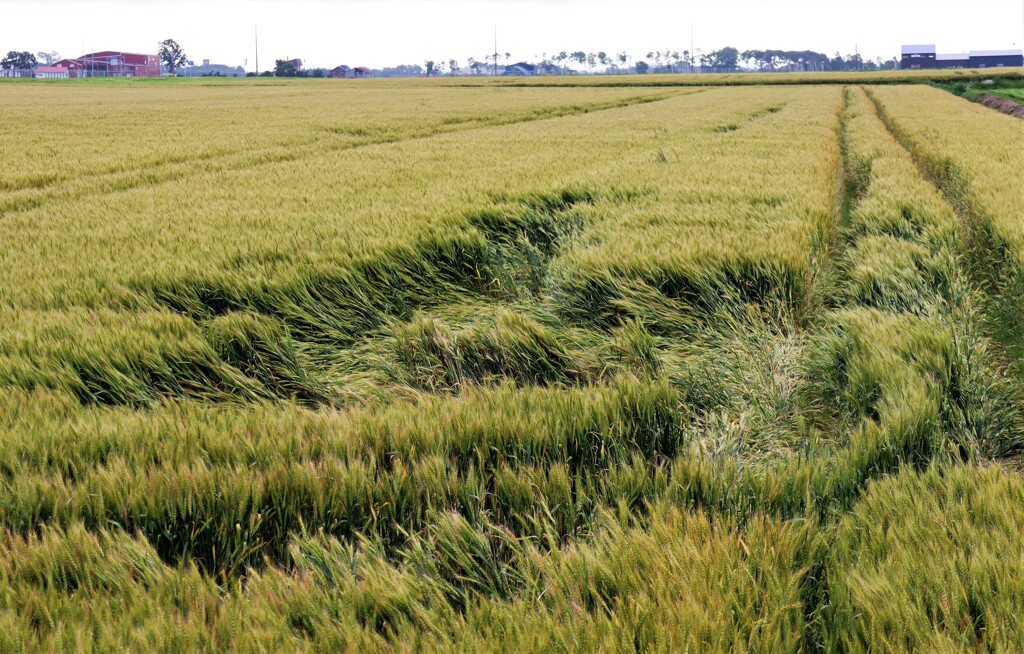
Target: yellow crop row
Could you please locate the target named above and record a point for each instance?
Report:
(52, 135)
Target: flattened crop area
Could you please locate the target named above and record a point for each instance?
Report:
(406, 366)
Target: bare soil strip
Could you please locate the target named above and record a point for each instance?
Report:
(1005, 105)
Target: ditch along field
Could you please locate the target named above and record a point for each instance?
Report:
(406, 366)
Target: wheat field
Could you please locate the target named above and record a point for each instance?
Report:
(416, 366)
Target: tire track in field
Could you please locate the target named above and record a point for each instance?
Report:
(988, 264)
(852, 188)
(878, 317)
(92, 185)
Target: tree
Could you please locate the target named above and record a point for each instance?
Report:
(172, 55)
(642, 67)
(284, 68)
(724, 60)
(49, 58)
(429, 65)
(453, 66)
(19, 60)
(560, 59)
(706, 60)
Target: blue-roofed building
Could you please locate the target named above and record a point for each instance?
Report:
(918, 56)
(996, 58)
(927, 56)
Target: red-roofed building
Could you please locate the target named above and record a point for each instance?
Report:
(344, 72)
(112, 64)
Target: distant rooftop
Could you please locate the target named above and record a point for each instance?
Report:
(996, 53)
(919, 49)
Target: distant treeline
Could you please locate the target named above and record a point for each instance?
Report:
(808, 60)
(724, 60)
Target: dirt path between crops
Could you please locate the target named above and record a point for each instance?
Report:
(1004, 105)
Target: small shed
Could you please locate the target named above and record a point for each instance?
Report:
(52, 72)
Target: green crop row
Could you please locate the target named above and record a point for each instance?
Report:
(716, 370)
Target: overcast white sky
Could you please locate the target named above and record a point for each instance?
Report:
(387, 32)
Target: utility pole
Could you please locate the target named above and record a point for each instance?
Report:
(693, 53)
(256, 31)
(495, 50)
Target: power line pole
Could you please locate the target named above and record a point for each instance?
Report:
(256, 31)
(495, 50)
